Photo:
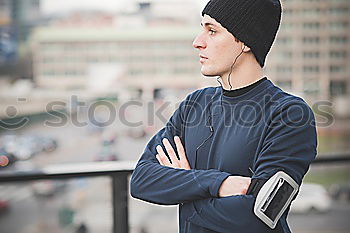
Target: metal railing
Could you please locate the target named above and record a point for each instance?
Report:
(119, 172)
(336, 158)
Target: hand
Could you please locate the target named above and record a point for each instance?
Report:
(174, 162)
(234, 185)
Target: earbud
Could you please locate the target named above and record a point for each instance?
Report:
(243, 47)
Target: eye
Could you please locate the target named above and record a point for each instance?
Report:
(212, 32)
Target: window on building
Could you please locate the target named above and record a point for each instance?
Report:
(49, 73)
(71, 73)
(311, 69)
(338, 54)
(284, 40)
(311, 86)
(337, 69)
(284, 55)
(338, 39)
(47, 60)
(338, 87)
(311, 25)
(339, 25)
(283, 69)
(285, 84)
(135, 71)
(311, 39)
(311, 54)
(312, 12)
(338, 10)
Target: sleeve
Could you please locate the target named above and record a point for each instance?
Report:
(158, 184)
(290, 145)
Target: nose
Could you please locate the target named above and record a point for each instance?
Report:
(199, 42)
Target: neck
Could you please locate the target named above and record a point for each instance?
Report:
(242, 75)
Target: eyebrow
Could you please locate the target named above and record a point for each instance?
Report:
(209, 24)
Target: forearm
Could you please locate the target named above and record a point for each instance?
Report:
(158, 184)
(234, 185)
(227, 215)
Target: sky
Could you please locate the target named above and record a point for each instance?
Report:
(55, 6)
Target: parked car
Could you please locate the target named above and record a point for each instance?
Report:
(44, 143)
(21, 147)
(24, 152)
(25, 147)
(6, 159)
(311, 198)
(32, 142)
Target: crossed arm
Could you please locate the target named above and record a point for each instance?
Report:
(173, 181)
(232, 185)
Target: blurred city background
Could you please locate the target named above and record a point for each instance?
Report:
(91, 81)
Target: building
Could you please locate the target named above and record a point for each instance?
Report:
(21, 14)
(311, 56)
(8, 43)
(17, 19)
(152, 57)
(171, 10)
(165, 12)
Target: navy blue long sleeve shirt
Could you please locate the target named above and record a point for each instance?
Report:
(264, 130)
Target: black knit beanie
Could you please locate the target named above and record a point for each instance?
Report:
(253, 22)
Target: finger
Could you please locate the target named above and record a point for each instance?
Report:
(182, 154)
(160, 151)
(171, 152)
(163, 156)
(159, 159)
(180, 148)
(164, 160)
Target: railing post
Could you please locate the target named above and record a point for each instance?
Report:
(120, 203)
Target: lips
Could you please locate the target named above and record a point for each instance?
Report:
(202, 58)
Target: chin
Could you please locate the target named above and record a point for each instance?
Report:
(209, 73)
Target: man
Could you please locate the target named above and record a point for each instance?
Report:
(222, 140)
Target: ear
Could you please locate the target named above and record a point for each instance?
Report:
(245, 48)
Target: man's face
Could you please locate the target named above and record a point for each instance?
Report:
(217, 48)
